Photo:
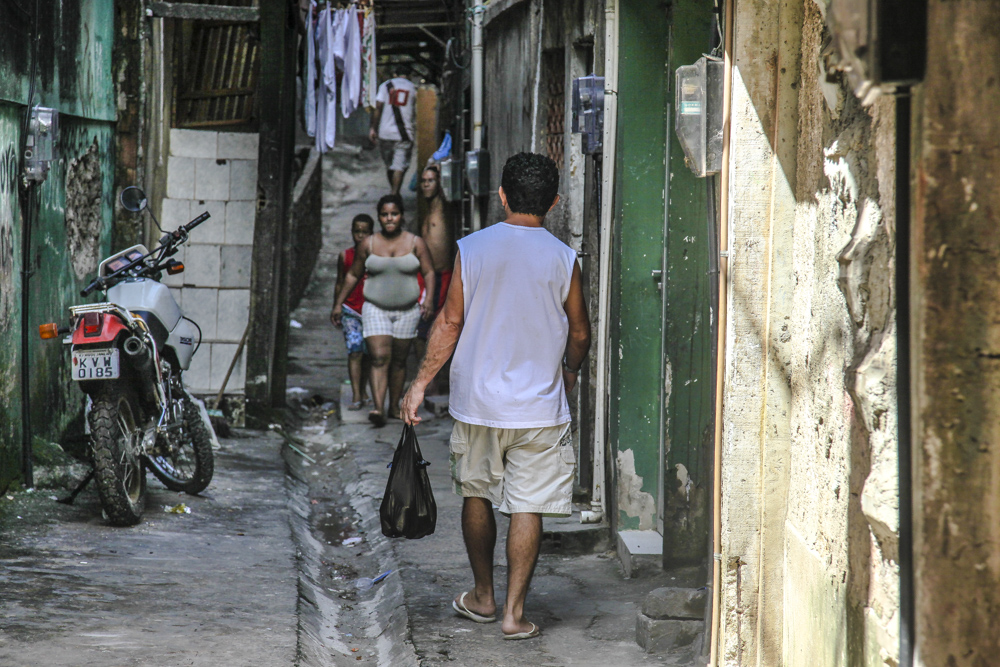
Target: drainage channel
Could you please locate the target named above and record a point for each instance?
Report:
(335, 526)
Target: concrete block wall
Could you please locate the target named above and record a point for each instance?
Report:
(214, 172)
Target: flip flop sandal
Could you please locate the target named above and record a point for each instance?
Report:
(377, 418)
(534, 632)
(354, 407)
(462, 610)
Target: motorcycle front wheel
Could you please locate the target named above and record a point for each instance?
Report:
(184, 461)
(118, 467)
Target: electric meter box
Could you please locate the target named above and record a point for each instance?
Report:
(698, 112)
(588, 111)
(40, 144)
(451, 180)
(477, 171)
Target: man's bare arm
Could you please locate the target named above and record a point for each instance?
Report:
(441, 343)
(578, 340)
(376, 118)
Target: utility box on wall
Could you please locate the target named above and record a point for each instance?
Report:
(698, 120)
(880, 44)
(588, 111)
(477, 171)
(451, 180)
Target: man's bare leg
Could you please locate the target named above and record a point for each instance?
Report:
(397, 373)
(524, 539)
(396, 181)
(479, 528)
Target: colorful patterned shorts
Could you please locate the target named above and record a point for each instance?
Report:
(354, 335)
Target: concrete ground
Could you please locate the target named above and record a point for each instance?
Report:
(213, 587)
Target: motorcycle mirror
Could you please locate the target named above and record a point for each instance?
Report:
(133, 199)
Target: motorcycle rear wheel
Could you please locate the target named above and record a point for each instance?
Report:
(118, 466)
(188, 467)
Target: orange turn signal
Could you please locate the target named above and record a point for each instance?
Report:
(47, 331)
(175, 268)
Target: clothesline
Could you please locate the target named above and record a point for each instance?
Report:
(340, 56)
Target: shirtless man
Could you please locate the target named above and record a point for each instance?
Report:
(436, 234)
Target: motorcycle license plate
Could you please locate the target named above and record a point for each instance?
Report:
(95, 364)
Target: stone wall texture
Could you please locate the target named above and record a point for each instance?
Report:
(809, 458)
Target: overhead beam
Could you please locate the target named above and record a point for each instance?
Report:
(187, 10)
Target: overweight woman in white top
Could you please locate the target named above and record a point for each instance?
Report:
(392, 259)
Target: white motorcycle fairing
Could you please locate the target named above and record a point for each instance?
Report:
(154, 303)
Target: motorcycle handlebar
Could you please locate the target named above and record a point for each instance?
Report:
(197, 221)
(95, 283)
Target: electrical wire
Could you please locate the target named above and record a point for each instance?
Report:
(198, 346)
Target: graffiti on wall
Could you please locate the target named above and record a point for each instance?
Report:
(83, 211)
(8, 199)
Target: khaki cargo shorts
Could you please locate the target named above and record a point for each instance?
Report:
(517, 469)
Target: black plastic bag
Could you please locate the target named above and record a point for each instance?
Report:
(408, 508)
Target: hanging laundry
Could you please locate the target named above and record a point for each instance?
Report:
(310, 79)
(369, 80)
(350, 86)
(326, 97)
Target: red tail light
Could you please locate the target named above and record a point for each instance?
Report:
(92, 323)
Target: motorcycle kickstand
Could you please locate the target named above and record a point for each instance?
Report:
(68, 500)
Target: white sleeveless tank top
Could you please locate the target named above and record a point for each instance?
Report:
(507, 369)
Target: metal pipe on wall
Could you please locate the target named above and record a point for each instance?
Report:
(477, 95)
(598, 508)
(720, 363)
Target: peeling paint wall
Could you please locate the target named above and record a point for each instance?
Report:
(73, 215)
(809, 459)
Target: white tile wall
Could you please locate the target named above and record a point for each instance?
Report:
(240, 222)
(193, 143)
(202, 265)
(202, 306)
(217, 172)
(236, 262)
(212, 230)
(243, 180)
(234, 310)
(180, 177)
(238, 145)
(175, 212)
(211, 179)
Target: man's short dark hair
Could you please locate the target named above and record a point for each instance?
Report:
(390, 198)
(365, 218)
(531, 182)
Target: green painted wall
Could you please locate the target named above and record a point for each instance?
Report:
(636, 303)
(648, 353)
(72, 74)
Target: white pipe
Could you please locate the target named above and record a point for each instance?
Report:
(477, 95)
(715, 636)
(538, 78)
(599, 501)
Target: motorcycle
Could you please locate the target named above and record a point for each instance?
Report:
(128, 354)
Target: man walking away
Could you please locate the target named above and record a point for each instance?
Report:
(392, 129)
(516, 319)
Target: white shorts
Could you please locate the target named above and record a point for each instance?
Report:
(520, 470)
(396, 154)
(396, 323)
